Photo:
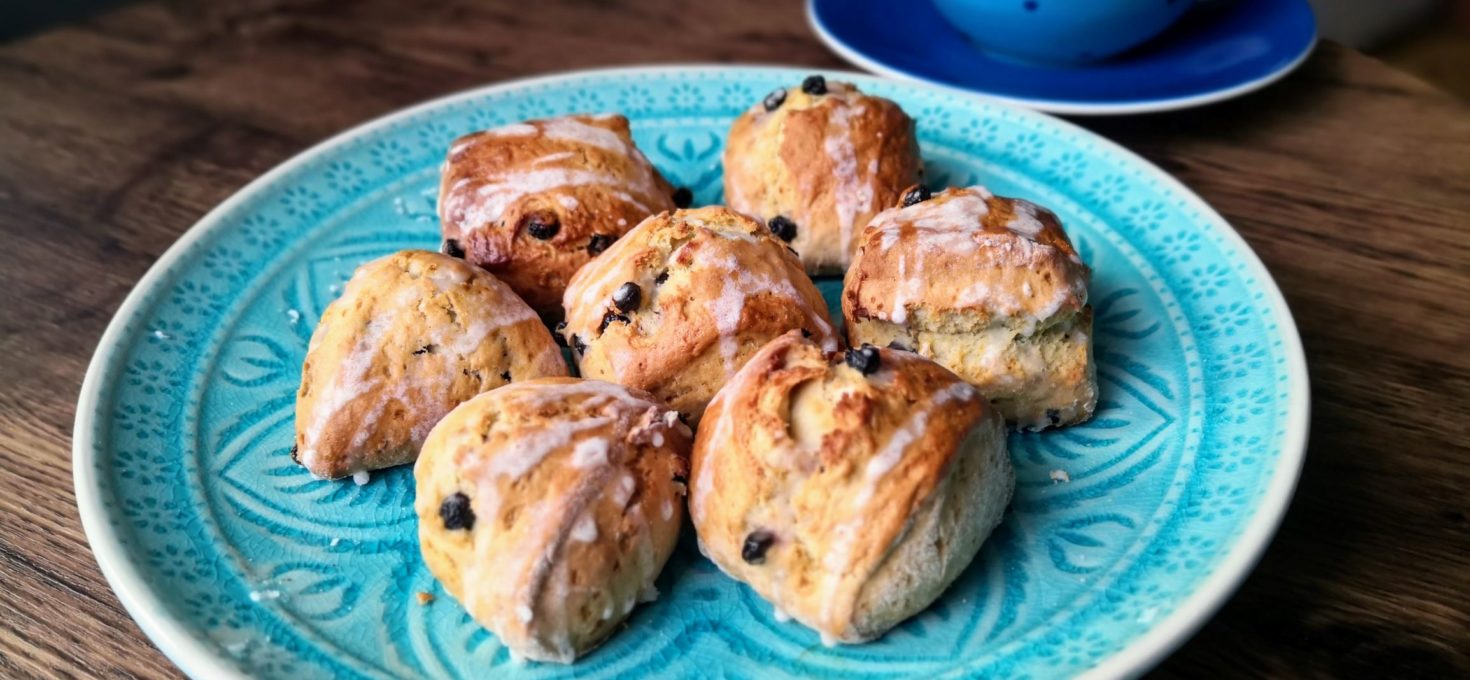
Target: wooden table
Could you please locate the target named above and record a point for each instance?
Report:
(1351, 180)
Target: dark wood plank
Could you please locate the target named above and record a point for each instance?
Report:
(1349, 179)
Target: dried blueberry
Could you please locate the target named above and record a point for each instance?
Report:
(424, 350)
(680, 479)
(456, 512)
(599, 243)
(505, 375)
(918, 194)
(814, 85)
(865, 359)
(756, 545)
(295, 454)
(451, 248)
(806, 333)
(627, 297)
(559, 333)
(782, 227)
(610, 317)
(1053, 416)
(542, 226)
(577, 344)
(661, 278)
(683, 197)
(775, 99)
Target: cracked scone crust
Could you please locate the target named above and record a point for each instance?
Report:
(413, 335)
(849, 501)
(712, 287)
(991, 288)
(533, 202)
(548, 508)
(826, 162)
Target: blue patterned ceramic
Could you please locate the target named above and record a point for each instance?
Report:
(1125, 534)
(1219, 49)
(1060, 31)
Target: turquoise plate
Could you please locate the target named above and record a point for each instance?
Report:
(1126, 532)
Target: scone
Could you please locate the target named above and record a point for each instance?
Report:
(534, 201)
(678, 304)
(548, 508)
(848, 490)
(413, 335)
(816, 162)
(988, 286)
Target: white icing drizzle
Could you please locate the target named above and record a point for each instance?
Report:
(512, 130)
(535, 570)
(1023, 219)
(594, 284)
(473, 203)
(884, 460)
(589, 453)
(585, 530)
(624, 490)
(544, 160)
(955, 225)
(851, 194)
(522, 454)
(428, 392)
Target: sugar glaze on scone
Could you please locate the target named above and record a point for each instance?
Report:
(816, 162)
(413, 335)
(677, 305)
(548, 508)
(532, 202)
(848, 490)
(991, 288)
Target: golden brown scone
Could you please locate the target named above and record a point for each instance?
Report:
(849, 491)
(991, 288)
(678, 304)
(816, 162)
(533, 202)
(548, 507)
(413, 335)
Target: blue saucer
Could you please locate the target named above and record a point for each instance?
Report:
(1220, 49)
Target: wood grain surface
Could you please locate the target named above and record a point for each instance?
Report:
(1351, 180)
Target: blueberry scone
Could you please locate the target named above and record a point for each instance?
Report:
(848, 489)
(413, 335)
(678, 304)
(548, 507)
(534, 201)
(988, 286)
(816, 162)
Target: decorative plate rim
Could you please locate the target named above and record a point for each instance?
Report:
(1061, 106)
(180, 644)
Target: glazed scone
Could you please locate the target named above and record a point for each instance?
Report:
(678, 304)
(816, 162)
(849, 491)
(533, 202)
(988, 286)
(548, 508)
(413, 335)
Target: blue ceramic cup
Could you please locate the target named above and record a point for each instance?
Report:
(1060, 31)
